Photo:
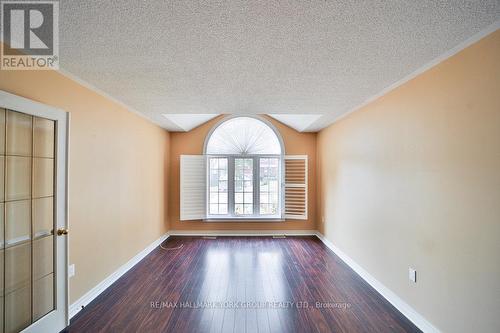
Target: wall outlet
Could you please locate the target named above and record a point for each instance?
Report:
(71, 270)
(323, 219)
(412, 275)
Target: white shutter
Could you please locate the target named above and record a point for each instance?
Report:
(296, 187)
(193, 187)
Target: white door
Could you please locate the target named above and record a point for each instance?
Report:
(33, 216)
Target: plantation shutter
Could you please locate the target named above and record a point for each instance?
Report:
(193, 187)
(296, 187)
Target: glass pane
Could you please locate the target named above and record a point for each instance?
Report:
(18, 177)
(238, 173)
(18, 309)
(214, 178)
(223, 209)
(269, 186)
(223, 198)
(43, 142)
(238, 163)
(223, 186)
(248, 209)
(43, 216)
(43, 177)
(19, 130)
(43, 276)
(18, 222)
(273, 186)
(222, 174)
(248, 198)
(214, 209)
(223, 163)
(238, 209)
(218, 185)
(238, 186)
(42, 257)
(17, 267)
(213, 163)
(248, 186)
(243, 169)
(43, 296)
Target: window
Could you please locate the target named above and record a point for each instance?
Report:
(218, 186)
(269, 185)
(244, 170)
(243, 186)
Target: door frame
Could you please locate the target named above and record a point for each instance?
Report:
(60, 316)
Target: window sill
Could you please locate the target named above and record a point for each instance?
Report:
(243, 219)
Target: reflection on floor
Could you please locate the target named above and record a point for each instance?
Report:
(240, 284)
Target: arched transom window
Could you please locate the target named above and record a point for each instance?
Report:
(245, 158)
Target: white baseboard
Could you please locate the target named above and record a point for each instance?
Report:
(394, 299)
(242, 232)
(94, 292)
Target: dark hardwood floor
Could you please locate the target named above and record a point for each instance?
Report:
(241, 284)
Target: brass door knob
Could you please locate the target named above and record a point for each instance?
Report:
(62, 231)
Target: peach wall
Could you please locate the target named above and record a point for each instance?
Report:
(413, 180)
(192, 143)
(117, 176)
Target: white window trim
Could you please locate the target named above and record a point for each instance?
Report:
(256, 217)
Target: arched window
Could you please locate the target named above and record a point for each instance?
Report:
(243, 136)
(245, 158)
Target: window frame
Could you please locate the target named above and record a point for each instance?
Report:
(231, 216)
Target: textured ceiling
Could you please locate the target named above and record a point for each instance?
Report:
(248, 57)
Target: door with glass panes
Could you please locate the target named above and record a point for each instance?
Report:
(32, 216)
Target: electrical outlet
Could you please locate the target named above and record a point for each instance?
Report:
(323, 219)
(71, 270)
(412, 275)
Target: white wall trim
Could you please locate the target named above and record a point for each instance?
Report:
(390, 296)
(104, 284)
(434, 62)
(242, 232)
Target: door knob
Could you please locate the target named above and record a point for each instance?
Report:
(62, 231)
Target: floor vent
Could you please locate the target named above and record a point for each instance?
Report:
(209, 237)
(279, 236)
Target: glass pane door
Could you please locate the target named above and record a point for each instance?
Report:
(27, 155)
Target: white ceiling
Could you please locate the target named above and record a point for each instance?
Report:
(251, 57)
